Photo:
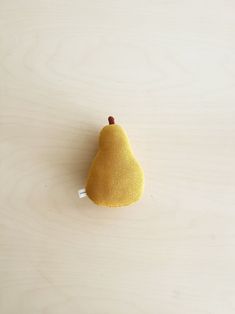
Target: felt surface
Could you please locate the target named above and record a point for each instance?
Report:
(115, 177)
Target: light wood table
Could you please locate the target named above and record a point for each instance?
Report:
(166, 71)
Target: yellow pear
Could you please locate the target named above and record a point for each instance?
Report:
(115, 177)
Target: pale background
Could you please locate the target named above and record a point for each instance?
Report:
(166, 71)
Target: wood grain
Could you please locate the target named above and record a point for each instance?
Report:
(166, 71)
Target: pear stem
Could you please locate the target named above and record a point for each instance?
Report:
(111, 120)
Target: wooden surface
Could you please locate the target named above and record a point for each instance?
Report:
(166, 71)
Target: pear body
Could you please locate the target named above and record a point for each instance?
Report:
(115, 177)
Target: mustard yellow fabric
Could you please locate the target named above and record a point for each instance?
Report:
(115, 177)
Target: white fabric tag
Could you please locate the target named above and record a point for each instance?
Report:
(82, 193)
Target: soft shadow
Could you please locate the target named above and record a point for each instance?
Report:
(85, 149)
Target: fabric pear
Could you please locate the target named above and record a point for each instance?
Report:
(115, 177)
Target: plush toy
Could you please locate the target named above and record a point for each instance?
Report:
(115, 177)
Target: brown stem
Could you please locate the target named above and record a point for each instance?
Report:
(111, 120)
